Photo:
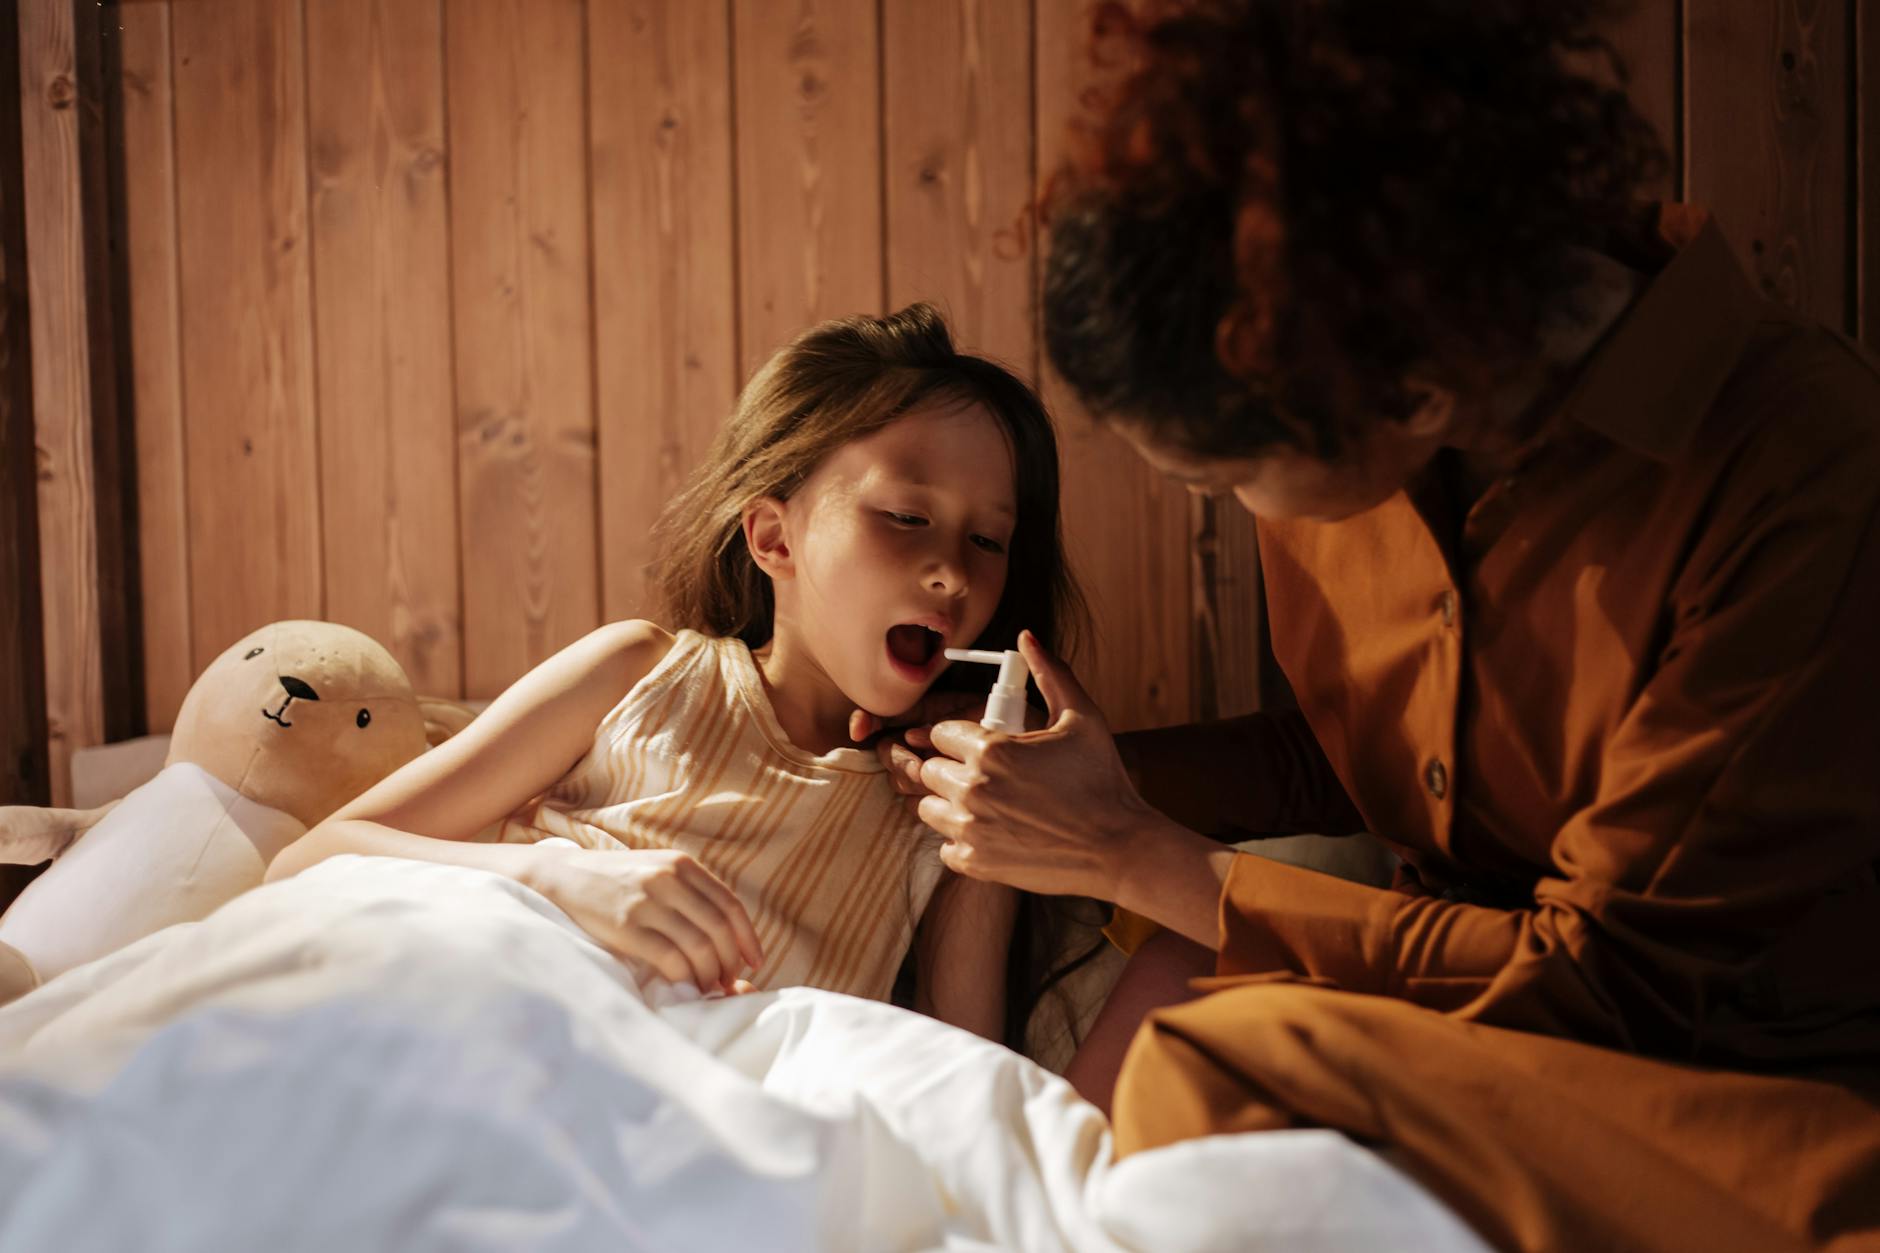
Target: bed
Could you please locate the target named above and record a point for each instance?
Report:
(380, 1054)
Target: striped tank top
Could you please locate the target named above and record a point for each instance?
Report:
(834, 871)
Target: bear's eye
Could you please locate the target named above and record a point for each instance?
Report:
(364, 718)
(251, 654)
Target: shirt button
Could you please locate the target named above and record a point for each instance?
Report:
(1446, 603)
(1436, 779)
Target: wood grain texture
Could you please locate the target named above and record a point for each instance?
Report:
(382, 315)
(149, 162)
(1767, 108)
(643, 198)
(1649, 41)
(521, 311)
(62, 401)
(808, 130)
(958, 135)
(24, 771)
(114, 473)
(1867, 165)
(659, 94)
(1228, 668)
(1128, 529)
(252, 459)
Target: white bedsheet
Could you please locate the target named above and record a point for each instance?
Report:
(390, 1055)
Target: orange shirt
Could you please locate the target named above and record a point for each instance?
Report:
(1619, 717)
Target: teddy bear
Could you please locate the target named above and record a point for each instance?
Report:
(280, 730)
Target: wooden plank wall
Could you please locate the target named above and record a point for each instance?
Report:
(659, 164)
(24, 771)
(382, 327)
(1766, 142)
(85, 510)
(62, 426)
(433, 302)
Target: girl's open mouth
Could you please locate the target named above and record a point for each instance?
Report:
(913, 651)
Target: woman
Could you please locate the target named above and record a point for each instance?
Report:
(1569, 547)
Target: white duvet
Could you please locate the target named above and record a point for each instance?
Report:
(390, 1055)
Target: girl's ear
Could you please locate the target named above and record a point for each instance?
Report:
(764, 536)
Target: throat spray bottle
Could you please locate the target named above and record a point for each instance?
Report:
(1005, 707)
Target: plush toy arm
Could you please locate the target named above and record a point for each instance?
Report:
(30, 834)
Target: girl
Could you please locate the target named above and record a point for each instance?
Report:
(875, 498)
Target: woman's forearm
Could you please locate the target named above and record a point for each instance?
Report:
(1170, 875)
(375, 839)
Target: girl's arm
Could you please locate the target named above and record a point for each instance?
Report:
(655, 908)
(960, 952)
(527, 739)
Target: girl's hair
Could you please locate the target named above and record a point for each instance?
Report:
(837, 382)
(1291, 215)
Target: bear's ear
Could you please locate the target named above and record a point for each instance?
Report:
(443, 718)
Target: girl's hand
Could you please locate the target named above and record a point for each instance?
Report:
(928, 710)
(655, 909)
(1049, 811)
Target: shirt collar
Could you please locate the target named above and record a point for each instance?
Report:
(1649, 385)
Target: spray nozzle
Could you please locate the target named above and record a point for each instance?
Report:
(1005, 706)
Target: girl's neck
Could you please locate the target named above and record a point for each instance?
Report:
(810, 708)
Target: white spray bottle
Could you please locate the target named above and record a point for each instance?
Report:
(1005, 707)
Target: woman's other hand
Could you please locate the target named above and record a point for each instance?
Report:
(658, 910)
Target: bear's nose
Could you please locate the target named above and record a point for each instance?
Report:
(298, 689)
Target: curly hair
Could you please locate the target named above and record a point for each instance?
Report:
(1290, 217)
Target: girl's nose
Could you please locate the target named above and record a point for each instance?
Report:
(947, 574)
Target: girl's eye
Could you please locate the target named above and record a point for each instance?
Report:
(251, 654)
(903, 519)
(989, 544)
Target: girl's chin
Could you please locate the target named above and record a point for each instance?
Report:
(887, 707)
(896, 696)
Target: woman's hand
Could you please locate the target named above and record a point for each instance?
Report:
(905, 741)
(902, 742)
(1048, 811)
(658, 910)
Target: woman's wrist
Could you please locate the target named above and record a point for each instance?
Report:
(1168, 874)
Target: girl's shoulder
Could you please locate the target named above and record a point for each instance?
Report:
(587, 678)
(620, 654)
